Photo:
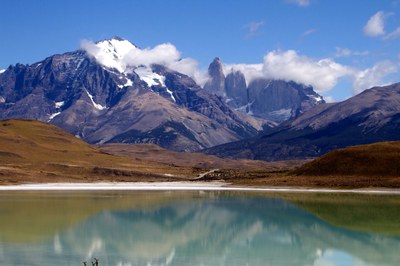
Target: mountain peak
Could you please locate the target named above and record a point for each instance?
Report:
(112, 51)
(118, 38)
(114, 38)
(216, 84)
(217, 59)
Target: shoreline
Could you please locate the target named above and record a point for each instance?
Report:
(183, 186)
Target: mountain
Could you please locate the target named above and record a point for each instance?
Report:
(34, 151)
(279, 100)
(371, 116)
(216, 84)
(274, 100)
(95, 94)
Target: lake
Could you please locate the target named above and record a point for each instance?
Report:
(198, 228)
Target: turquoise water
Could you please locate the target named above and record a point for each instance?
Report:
(183, 228)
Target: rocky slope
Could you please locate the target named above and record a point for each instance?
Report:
(372, 116)
(99, 98)
(274, 100)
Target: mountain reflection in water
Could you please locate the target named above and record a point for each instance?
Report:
(201, 228)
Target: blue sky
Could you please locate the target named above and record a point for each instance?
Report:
(341, 47)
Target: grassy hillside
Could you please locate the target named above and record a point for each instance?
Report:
(151, 152)
(365, 166)
(378, 159)
(32, 151)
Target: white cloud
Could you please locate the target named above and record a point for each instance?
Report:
(329, 99)
(308, 32)
(128, 55)
(253, 28)
(190, 67)
(376, 25)
(373, 76)
(250, 71)
(393, 35)
(163, 54)
(322, 74)
(344, 52)
(300, 2)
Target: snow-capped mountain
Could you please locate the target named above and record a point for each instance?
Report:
(111, 91)
(275, 100)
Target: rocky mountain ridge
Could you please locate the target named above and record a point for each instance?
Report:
(100, 99)
(371, 116)
(275, 100)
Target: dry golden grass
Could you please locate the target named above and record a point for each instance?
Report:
(151, 152)
(32, 151)
(366, 166)
(379, 160)
(36, 152)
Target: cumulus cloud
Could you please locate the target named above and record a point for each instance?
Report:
(250, 71)
(253, 28)
(373, 76)
(163, 54)
(375, 26)
(322, 74)
(329, 99)
(345, 52)
(190, 67)
(288, 65)
(122, 55)
(300, 2)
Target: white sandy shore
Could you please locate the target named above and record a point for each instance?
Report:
(162, 186)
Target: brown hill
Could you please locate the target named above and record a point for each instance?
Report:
(378, 159)
(32, 151)
(154, 153)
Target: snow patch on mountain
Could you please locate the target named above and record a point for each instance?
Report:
(52, 116)
(128, 83)
(59, 104)
(316, 98)
(151, 78)
(2, 71)
(123, 56)
(2, 100)
(96, 105)
(171, 93)
(111, 53)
